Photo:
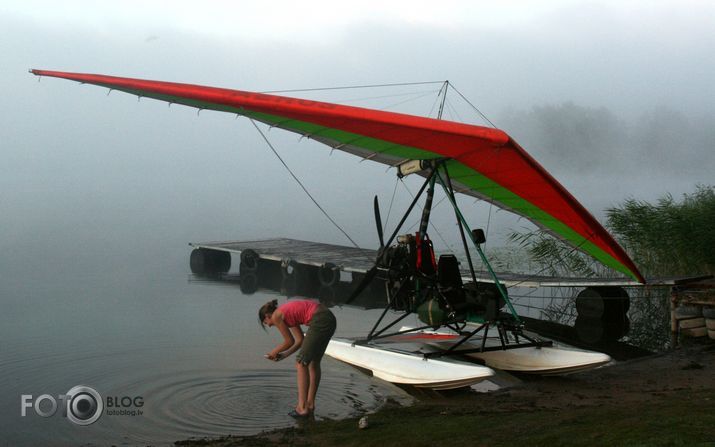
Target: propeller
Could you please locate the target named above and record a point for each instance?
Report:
(370, 274)
(378, 222)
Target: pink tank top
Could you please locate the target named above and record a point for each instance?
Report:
(298, 312)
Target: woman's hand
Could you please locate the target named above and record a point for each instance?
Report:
(275, 357)
(292, 338)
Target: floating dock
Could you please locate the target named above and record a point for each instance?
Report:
(347, 259)
(359, 260)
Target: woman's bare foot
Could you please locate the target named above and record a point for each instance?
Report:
(302, 411)
(298, 415)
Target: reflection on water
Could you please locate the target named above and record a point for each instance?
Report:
(192, 350)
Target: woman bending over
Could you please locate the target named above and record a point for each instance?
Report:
(288, 318)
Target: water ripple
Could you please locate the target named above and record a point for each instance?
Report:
(221, 402)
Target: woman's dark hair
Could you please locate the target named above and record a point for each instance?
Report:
(266, 309)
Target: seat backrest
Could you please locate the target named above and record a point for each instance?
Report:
(448, 273)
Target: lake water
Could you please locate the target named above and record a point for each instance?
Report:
(192, 351)
(183, 357)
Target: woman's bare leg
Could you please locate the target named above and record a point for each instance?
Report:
(303, 380)
(314, 372)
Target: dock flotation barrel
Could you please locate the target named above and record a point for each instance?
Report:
(204, 261)
(249, 283)
(595, 331)
(249, 260)
(328, 274)
(607, 303)
(602, 314)
(248, 271)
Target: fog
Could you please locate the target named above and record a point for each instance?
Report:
(616, 101)
(606, 157)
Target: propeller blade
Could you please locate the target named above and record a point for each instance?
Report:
(378, 222)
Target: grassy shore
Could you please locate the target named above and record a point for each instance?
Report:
(667, 399)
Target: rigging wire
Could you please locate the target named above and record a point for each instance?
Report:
(370, 98)
(473, 106)
(392, 200)
(489, 216)
(484, 117)
(399, 84)
(407, 100)
(431, 224)
(301, 184)
(434, 104)
(453, 112)
(443, 92)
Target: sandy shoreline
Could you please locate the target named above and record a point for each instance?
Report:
(664, 399)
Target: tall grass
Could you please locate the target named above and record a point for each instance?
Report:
(553, 258)
(668, 237)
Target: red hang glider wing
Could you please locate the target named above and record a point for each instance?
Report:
(483, 162)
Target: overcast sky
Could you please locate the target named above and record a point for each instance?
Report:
(615, 98)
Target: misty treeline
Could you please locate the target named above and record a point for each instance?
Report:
(585, 139)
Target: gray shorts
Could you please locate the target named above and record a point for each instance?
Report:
(321, 328)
